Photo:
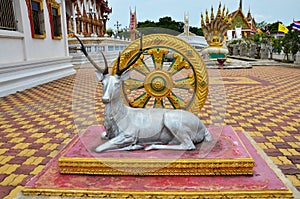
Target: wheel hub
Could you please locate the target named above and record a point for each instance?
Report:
(158, 83)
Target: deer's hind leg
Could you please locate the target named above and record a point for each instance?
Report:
(182, 137)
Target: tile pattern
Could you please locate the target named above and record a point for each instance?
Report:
(36, 123)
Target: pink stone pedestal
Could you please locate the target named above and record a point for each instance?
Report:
(225, 155)
(264, 183)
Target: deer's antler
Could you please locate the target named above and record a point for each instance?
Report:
(105, 71)
(136, 57)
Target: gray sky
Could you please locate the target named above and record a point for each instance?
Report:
(262, 10)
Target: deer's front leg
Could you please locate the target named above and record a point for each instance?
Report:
(118, 142)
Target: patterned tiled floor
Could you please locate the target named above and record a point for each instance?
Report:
(36, 123)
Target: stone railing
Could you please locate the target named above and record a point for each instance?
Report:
(94, 46)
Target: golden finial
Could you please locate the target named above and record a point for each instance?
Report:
(219, 11)
(207, 19)
(202, 20)
(212, 17)
(223, 12)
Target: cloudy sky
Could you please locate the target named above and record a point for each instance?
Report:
(262, 10)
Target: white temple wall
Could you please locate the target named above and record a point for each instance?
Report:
(25, 61)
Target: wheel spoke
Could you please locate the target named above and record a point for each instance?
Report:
(141, 67)
(176, 101)
(158, 55)
(158, 103)
(178, 64)
(133, 84)
(185, 83)
(141, 101)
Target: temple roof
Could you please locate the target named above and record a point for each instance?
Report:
(239, 19)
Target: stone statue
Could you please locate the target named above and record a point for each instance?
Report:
(264, 52)
(252, 51)
(243, 49)
(130, 128)
(236, 49)
(214, 28)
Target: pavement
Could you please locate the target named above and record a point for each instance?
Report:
(37, 123)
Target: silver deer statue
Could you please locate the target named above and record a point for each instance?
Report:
(130, 128)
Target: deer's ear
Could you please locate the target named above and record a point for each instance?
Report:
(99, 76)
(125, 75)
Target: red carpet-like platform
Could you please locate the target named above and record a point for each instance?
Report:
(264, 183)
(225, 155)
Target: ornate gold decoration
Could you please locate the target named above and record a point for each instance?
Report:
(128, 166)
(159, 82)
(157, 194)
(215, 28)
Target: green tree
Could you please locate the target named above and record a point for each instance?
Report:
(277, 45)
(291, 43)
(168, 23)
(261, 25)
(197, 31)
(109, 32)
(273, 28)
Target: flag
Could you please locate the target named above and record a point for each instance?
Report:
(296, 25)
(259, 31)
(267, 30)
(282, 28)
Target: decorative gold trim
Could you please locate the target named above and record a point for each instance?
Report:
(125, 166)
(157, 194)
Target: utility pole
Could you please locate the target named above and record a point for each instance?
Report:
(117, 25)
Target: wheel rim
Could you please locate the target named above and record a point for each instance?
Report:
(157, 83)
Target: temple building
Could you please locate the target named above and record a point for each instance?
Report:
(87, 18)
(34, 44)
(242, 25)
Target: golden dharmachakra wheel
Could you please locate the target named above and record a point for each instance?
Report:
(169, 74)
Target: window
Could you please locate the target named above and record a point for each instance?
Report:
(37, 19)
(100, 48)
(110, 48)
(7, 15)
(55, 19)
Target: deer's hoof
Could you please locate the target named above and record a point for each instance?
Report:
(151, 147)
(99, 149)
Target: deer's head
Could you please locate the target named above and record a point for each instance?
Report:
(111, 83)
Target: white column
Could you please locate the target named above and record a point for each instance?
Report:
(74, 19)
